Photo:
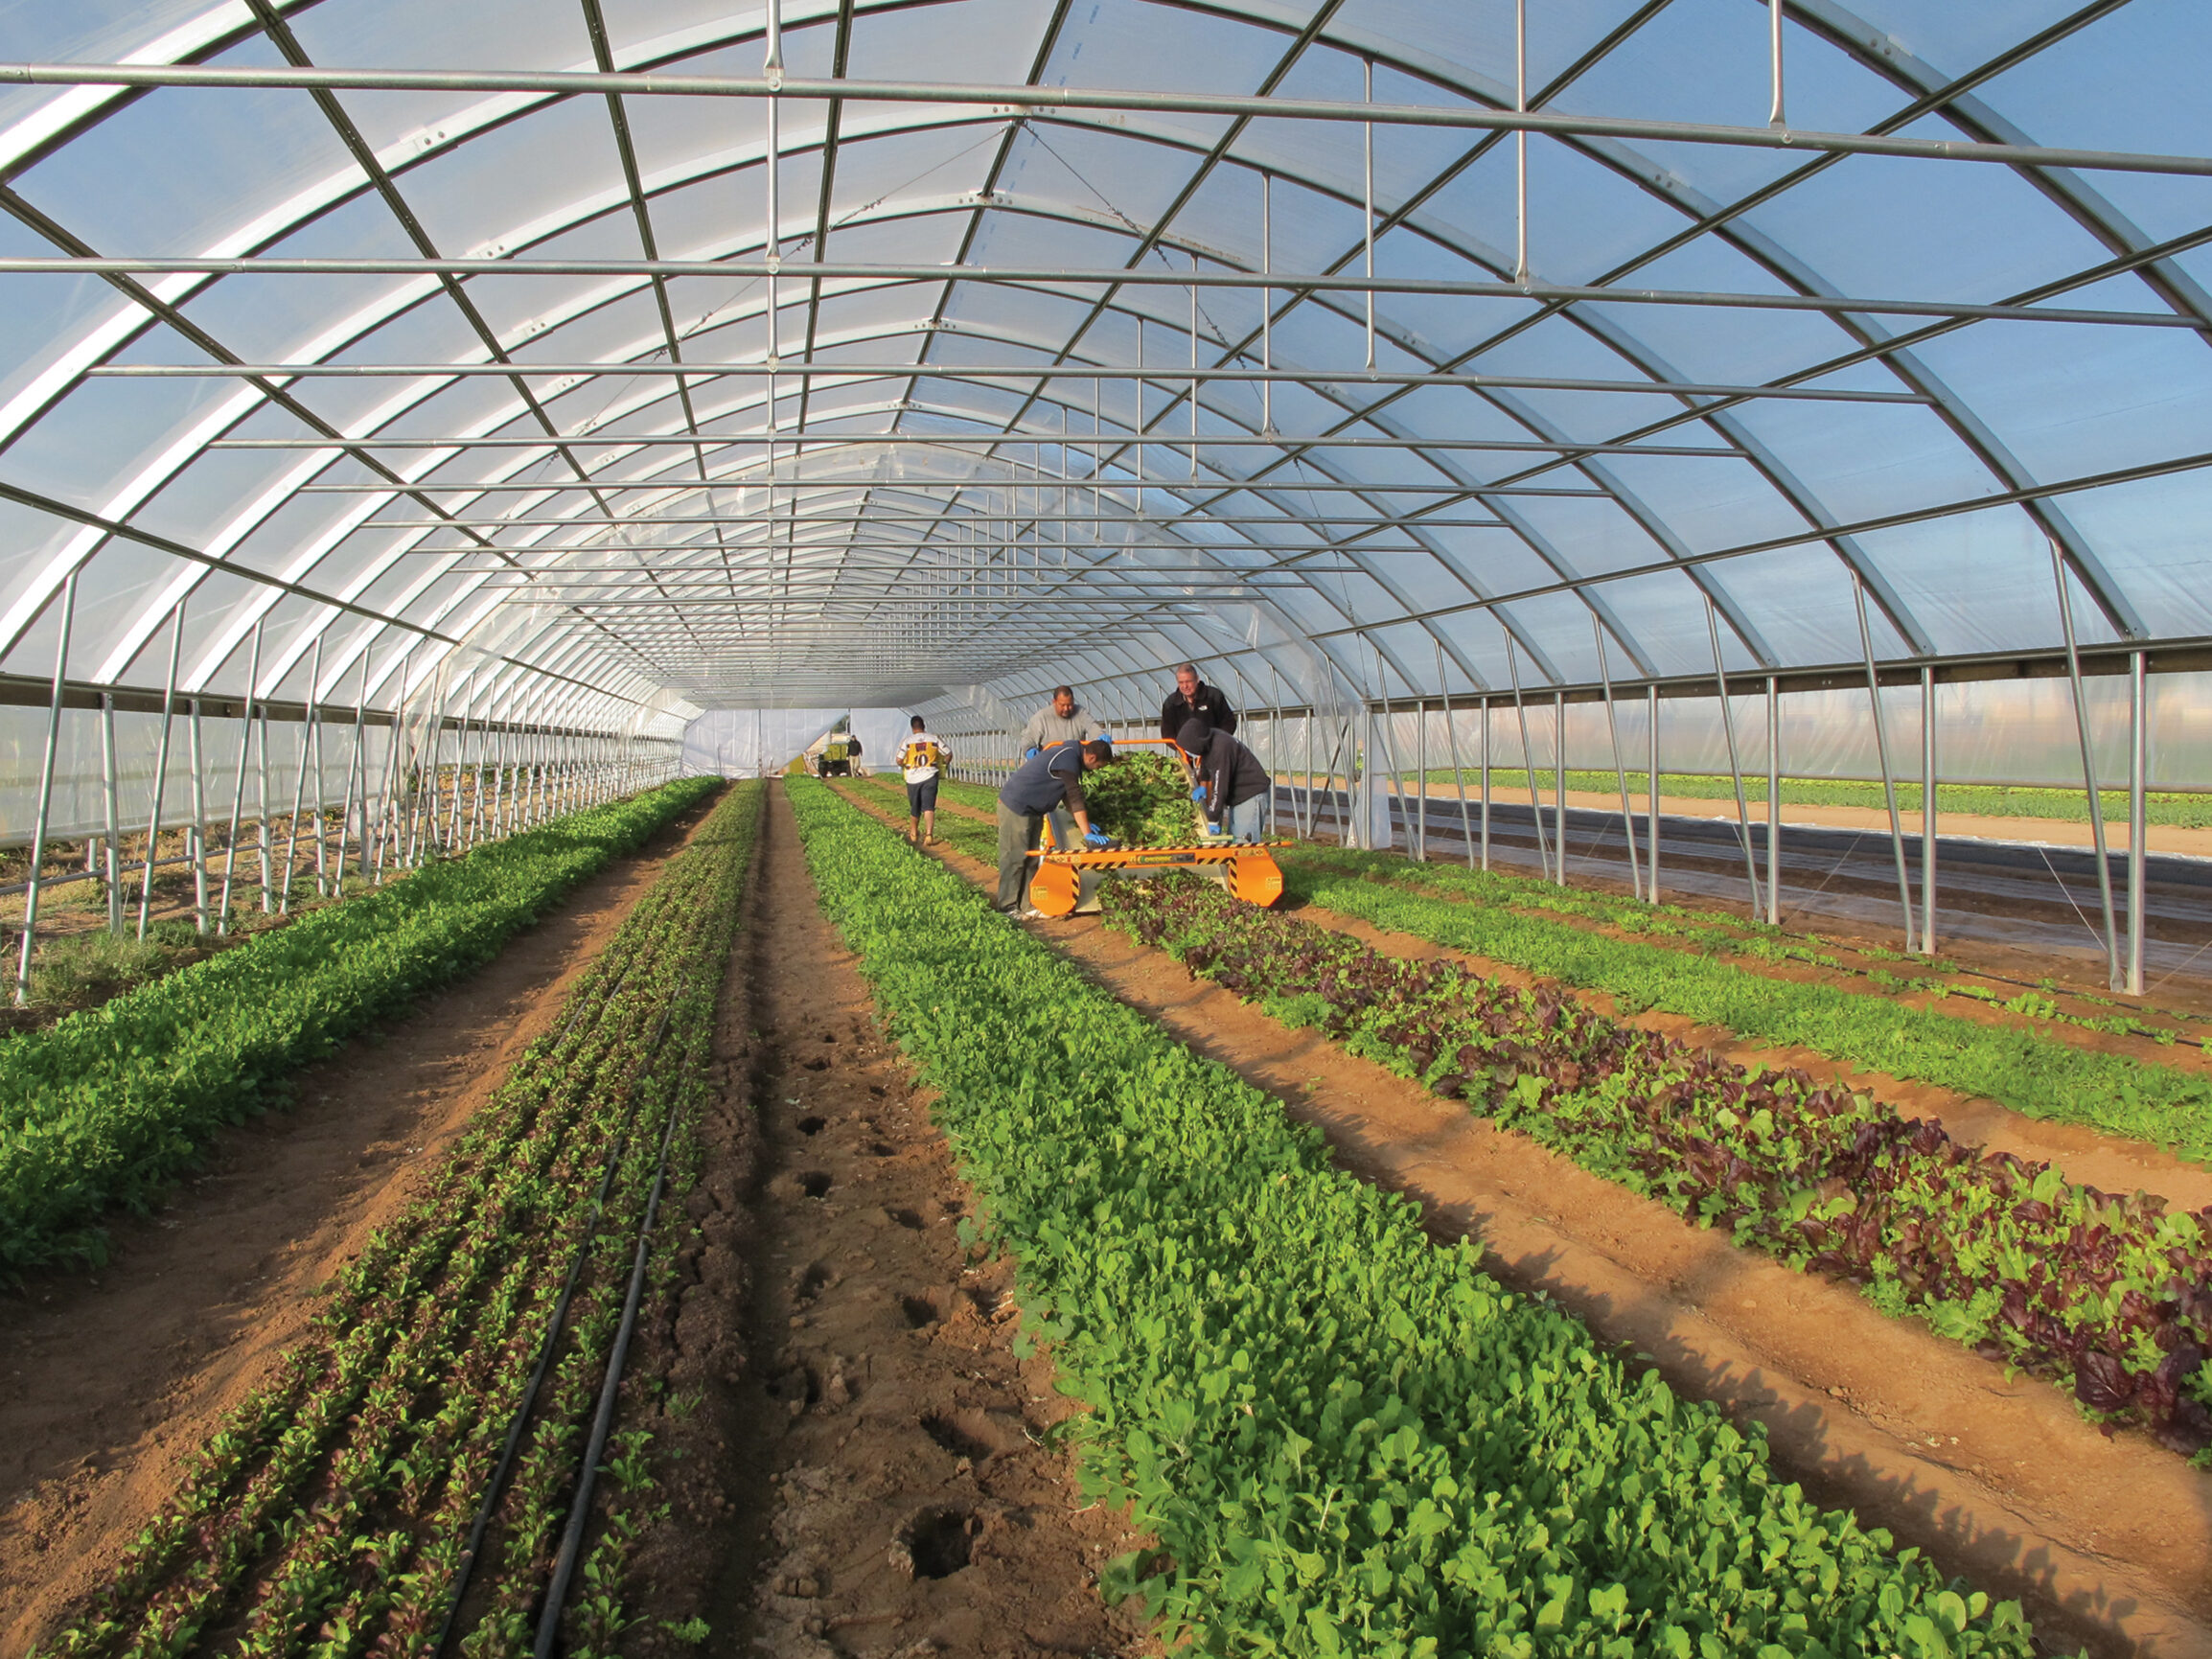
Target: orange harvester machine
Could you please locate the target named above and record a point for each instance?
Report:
(1067, 881)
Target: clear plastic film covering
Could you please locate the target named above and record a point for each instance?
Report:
(1987, 731)
(751, 742)
(269, 784)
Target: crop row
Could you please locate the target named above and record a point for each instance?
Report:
(2189, 810)
(105, 1107)
(333, 1511)
(1345, 1439)
(2040, 1075)
(1698, 974)
(1715, 933)
(2111, 1295)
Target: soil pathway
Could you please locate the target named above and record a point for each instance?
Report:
(108, 1379)
(2109, 1541)
(873, 1473)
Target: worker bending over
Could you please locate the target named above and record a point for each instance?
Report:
(1063, 720)
(1193, 699)
(1233, 788)
(1051, 777)
(921, 759)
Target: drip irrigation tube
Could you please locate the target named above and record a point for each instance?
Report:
(603, 1420)
(524, 1409)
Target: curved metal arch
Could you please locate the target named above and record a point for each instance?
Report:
(1879, 54)
(538, 328)
(1379, 487)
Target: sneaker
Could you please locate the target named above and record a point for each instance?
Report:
(1030, 913)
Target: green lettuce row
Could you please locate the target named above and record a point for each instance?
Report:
(2038, 1076)
(2184, 809)
(1345, 1439)
(104, 1108)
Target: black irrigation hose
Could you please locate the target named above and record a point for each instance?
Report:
(579, 1510)
(545, 1349)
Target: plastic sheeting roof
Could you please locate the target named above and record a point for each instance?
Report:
(1513, 466)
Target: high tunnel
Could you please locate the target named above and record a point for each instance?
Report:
(384, 384)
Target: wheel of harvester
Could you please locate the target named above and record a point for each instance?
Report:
(1253, 877)
(1056, 890)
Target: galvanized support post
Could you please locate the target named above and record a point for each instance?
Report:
(1619, 773)
(299, 801)
(1421, 781)
(320, 729)
(1527, 760)
(42, 814)
(237, 791)
(1735, 762)
(2114, 977)
(1773, 802)
(1452, 746)
(1559, 787)
(261, 794)
(391, 777)
(161, 764)
(1652, 786)
(199, 823)
(356, 767)
(2138, 780)
(1927, 811)
(113, 855)
(1485, 784)
(1306, 794)
(1881, 753)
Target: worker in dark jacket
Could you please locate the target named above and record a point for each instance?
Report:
(1193, 699)
(1049, 778)
(1233, 786)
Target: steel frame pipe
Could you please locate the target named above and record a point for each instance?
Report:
(1005, 102)
(1881, 753)
(2115, 977)
(46, 787)
(631, 369)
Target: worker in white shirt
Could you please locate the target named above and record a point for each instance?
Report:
(921, 757)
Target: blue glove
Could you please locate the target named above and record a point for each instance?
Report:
(1095, 837)
(1198, 794)
(1212, 831)
(1031, 752)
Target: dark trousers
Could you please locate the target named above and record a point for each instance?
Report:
(1019, 833)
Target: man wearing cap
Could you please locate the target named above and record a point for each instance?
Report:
(1193, 699)
(1233, 786)
(1050, 778)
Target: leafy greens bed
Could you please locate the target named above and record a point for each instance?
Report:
(103, 1108)
(2110, 1294)
(2040, 1075)
(331, 1512)
(1345, 1439)
(2188, 811)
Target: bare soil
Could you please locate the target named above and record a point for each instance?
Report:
(868, 1469)
(2106, 1539)
(108, 1379)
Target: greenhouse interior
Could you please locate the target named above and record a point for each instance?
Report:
(638, 636)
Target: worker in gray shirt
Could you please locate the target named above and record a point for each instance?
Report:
(1063, 720)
